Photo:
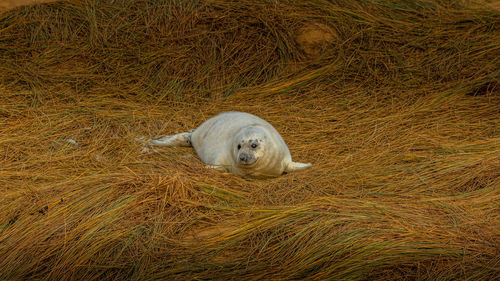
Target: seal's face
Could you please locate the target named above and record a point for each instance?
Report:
(249, 148)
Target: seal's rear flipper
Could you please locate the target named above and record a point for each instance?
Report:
(182, 139)
(296, 166)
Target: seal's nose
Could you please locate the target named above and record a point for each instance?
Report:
(246, 159)
(243, 157)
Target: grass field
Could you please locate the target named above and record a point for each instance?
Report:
(396, 104)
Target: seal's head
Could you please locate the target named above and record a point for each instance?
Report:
(249, 147)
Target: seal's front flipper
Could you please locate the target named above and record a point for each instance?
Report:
(216, 167)
(296, 166)
(182, 139)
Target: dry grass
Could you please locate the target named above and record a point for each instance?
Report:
(396, 104)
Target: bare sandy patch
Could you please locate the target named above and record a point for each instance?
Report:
(10, 4)
(314, 38)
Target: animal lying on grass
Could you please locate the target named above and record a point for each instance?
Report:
(238, 142)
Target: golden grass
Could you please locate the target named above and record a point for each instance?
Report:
(397, 108)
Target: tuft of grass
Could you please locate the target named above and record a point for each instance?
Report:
(396, 104)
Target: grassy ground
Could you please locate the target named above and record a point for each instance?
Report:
(396, 104)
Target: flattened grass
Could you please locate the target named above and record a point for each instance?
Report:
(399, 113)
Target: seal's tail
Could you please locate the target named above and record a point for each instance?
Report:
(181, 139)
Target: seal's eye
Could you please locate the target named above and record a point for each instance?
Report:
(254, 145)
(239, 146)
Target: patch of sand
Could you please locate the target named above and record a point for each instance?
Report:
(314, 38)
(10, 4)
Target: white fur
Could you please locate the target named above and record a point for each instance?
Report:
(262, 152)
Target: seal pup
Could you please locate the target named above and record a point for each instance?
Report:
(238, 142)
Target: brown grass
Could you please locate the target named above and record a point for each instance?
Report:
(397, 106)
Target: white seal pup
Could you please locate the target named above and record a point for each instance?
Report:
(238, 142)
